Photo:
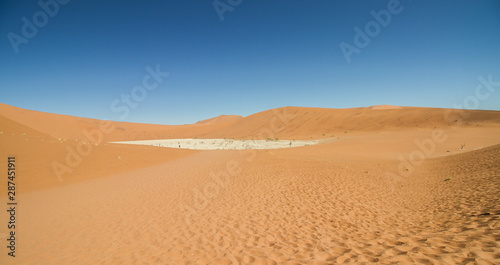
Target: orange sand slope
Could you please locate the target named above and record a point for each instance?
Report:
(221, 119)
(388, 185)
(287, 122)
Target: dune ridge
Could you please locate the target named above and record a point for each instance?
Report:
(220, 119)
(292, 122)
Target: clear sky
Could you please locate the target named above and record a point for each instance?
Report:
(240, 57)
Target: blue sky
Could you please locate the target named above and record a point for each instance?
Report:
(262, 55)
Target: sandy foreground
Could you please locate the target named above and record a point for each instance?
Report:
(396, 194)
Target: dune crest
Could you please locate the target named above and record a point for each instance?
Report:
(287, 122)
(385, 107)
(221, 119)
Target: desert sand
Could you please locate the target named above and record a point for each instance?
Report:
(383, 184)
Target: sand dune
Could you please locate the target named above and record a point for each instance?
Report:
(358, 197)
(71, 127)
(303, 123)
(221, 119)
(285, 123)
(385, 107)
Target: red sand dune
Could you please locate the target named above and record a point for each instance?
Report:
(287, 122)
(401, 185)
(221, 119)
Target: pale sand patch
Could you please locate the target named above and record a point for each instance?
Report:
(222, 144)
